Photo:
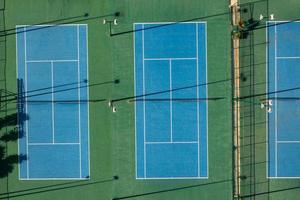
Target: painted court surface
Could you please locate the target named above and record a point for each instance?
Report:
(283, 77)
(52, 67)
(171, 110)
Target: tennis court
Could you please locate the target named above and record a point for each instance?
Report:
(171, 119)
(52, 66)
(283, 89)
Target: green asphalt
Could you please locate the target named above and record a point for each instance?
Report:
(112, 135)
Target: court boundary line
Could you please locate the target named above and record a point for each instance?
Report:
(197, 94)
(135, 111)
(206, 70)
(276, 127)
(54, 60)
(25, 74)
(26, 104)
(207, 170)
(144, 103)
(88, 96)
(17, 75)
(79, 97)
(267, 90)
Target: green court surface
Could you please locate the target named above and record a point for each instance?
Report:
(254, 184)
(111, 77)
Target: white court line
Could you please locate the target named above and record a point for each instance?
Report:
(43, 61)
(52, 96)
(45, 179)
(177, 142)
(17, 75)
(26, 104)
(287, 57)
(287, 142)
(191, 22)
(267, 90)
(88, 97)
(79, 107)
(170, 58)
(206, 87)
(197, 93)
(51, 144)
(173, 178)
(283, 177)
(143, 53)
(275, 45)
(135, 111)
(171, 104)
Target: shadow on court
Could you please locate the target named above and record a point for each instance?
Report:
(8, 162)
(173, 189)
(54, 187)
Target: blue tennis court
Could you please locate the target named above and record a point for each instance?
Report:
(171, 120)
(283, 77)
(52, 66)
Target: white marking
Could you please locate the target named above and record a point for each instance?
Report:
(45, 61)
(79, 117)
(207, 155)
(191, 22)
(174, 178)
(26, 105)
(171, 104)
(197, 93)
(177, 142)
(288, 57)
(170, 58)
(272, 17)
(40, 179)
(17, 75)
(275, 45)
(282, 142)
(50, 144)
(267, 90)
(52, 96)
(283, 177)
(88, 96)
(144, 104)
(134, 85)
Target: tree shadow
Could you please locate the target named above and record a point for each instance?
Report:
(8, 162)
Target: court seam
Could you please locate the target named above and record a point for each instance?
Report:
(197, 93)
